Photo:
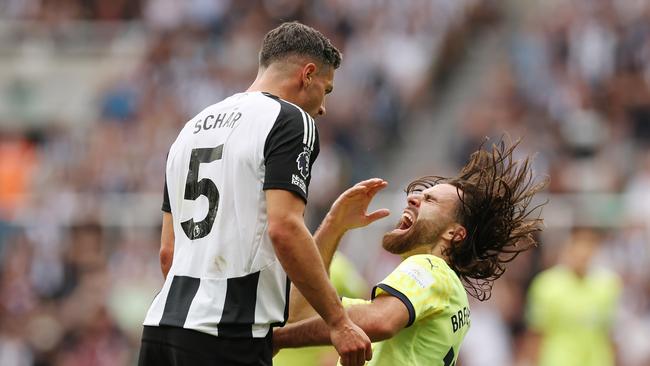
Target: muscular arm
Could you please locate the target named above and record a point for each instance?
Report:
(297, 252)
(295, 248)
(348, 212)
(166, 243)
(381, 319)
(327, 239)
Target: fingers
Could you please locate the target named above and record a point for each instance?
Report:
(379, 214)
(369, 187)
(357, 358)
(376, 188)
(369, 352)
(369, 182)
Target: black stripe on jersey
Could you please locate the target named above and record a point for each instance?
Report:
(399, 295)
(180, 296)
(165, 205)
(238, 313)
(286, 305)
(288, 156)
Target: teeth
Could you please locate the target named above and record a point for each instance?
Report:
(408, 219)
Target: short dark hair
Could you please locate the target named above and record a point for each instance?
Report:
(495, 193)
(294, 38)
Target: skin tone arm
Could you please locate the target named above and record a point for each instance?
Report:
(166, 243)
(382, 318)
(295, 248)
(347, 212)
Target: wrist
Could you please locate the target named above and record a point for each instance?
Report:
(338, 320)
(331, 226)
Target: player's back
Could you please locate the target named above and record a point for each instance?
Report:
(225, 278)
(214, 178)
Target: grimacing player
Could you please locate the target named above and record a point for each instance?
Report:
(455, 234)
(233, 231)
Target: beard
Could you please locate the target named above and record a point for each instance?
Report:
(423, 232)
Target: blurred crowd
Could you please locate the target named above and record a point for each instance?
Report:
(75, 276)
(576, 86)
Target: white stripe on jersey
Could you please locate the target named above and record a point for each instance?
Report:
(311, 128)
(305, 136)
(313, 133)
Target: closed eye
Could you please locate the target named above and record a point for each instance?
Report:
(429, 197)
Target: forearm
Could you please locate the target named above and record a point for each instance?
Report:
(314, 331)
(327, 239)
(167, 238)
(301, 261)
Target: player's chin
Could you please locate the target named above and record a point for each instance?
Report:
(396, 241)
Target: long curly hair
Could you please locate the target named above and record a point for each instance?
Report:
(495, 194)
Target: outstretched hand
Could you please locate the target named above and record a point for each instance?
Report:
(349, 210)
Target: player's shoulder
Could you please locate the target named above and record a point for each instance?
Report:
(426, 270)
(289, 113)
(428, 262)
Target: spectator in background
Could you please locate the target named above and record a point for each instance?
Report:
(572, 307)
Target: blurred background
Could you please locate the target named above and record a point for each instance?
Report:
(93, 92)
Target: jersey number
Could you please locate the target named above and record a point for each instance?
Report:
(195, 188)
(449, 357)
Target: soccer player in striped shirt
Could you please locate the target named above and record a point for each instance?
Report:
(237, 180)
(455, 234)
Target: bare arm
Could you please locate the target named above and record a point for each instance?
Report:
(347, 212)
(166, 243)
(295, 248)
(381, 319)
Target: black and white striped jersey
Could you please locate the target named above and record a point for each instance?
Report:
(225, 279)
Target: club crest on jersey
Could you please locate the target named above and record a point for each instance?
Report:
(197, 231)
(303, 162)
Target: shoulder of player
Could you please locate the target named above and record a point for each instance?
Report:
(291, 113)
(430, 262)
(427, 271)
(294, 120)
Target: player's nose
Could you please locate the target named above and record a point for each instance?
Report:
(321, 111)
(414, 199)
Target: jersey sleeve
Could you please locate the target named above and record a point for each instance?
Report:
(166, 207)
(420, 285)
(290, 150)
(347, 301)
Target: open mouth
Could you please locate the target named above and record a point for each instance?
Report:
(406, 221)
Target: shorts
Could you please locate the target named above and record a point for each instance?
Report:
(173, 346)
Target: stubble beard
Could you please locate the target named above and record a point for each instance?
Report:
(422, 232)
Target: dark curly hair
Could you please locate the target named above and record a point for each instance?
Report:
(495, 194)
(294, 38)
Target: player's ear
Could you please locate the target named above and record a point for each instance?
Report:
(307, 74)
(455, 233)
(460, 233)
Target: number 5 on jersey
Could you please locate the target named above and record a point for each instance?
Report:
(195, 188)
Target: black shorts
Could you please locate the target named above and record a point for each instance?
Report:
(172, 346)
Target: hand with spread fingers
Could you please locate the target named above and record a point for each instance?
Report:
(349, 211)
